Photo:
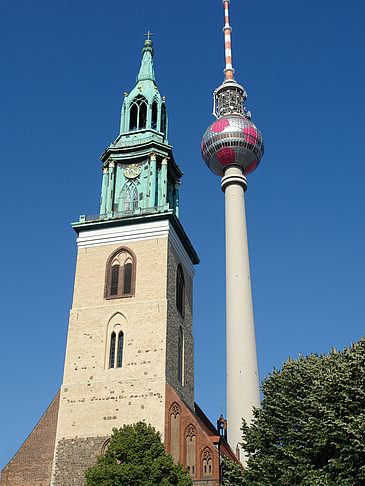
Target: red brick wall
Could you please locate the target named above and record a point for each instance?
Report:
(32, 464)
(206, 436)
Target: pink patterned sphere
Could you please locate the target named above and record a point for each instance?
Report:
(232, 140)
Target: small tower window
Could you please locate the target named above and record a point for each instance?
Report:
(190, 450)
(120, 350)
(207, 463)
(142, 115)
(129, 197)
(180, 290)
(175, 442)
(114, 283)
(120, 275)
(127, 284)
(163, 120)
(138, 113)
(133, 117)
(154, 115)
(116, 350)
(112, 350)
(180, 356)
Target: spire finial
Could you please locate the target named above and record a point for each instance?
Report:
(148, 35)
(148, 41)
(229, 71)
(146, 71)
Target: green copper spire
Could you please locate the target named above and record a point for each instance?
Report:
(140, 175)
(146, 71)
(143, 108)
(141, 179)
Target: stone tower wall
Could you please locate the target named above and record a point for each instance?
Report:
(94, 398)
(73, 458)
(175, 320)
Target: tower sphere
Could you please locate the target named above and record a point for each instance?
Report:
(232, 140)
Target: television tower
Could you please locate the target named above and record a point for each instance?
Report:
(232, 147)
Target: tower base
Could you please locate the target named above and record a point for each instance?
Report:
(190, 438)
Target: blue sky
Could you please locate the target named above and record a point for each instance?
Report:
(65, 66)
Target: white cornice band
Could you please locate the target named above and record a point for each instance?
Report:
(136, 232)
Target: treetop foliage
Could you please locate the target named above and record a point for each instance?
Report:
(310, 429)
(136, 457)
(233, 475)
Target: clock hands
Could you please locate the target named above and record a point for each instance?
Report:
(132, 171)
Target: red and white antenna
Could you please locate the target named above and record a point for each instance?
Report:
(229, 71)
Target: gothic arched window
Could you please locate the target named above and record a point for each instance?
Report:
(180, 290)
(142, 115)
(163, 120)
(175, 431)
(190, 450)
(133, 117)
(207, 463)
(112, 350)
(129, 197)
(116, 350)
(120, 349)
(180, 356)
(138, 113)
(154, 115)
(120, 274)
(105, 446)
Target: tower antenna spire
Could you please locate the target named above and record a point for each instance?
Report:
(227, 29)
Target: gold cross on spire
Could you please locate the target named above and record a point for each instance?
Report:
(148, 35)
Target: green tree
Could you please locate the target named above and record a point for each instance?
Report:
(310, 429)
(136, 457)
(233, 474)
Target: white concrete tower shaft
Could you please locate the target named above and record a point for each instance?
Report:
(243, 391)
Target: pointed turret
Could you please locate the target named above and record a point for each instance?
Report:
(146, 71)
(143, 108)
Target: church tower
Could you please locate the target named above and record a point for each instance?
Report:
(130, 330)
(130, 346)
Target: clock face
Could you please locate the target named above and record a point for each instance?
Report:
(132, 171)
